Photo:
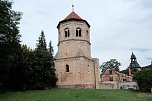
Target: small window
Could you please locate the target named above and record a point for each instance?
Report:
(87, 32)
(110, 72)
(67, 68)
(111, 78)
(67, 32)
(78, 32)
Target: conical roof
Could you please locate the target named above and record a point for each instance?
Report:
(73, 15)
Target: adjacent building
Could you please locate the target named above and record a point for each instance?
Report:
(112, 79)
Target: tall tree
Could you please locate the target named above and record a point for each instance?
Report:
(9, 41)
(51, 51)
(113, 63)
(21, 78)
(42, 42)
(42, 66)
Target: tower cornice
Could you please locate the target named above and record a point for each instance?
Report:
(77, 57)
(73, 20)
(74, 40)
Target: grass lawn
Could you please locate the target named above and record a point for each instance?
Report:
(75, 95)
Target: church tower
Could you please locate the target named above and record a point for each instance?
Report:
(134, 66)
(134, 63)
(74, 65)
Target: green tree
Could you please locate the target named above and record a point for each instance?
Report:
(42, 66)
(9, 41)
(20, 74)
(144, 79)
(113, 63)
(42, 42)
(51, 52)
(126, 71)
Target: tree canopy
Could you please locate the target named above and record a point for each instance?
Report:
(113, 63)
(9, 41)
(20, 66)
(42, 66)
(144, 78)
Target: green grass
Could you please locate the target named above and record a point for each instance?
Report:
(75, 95)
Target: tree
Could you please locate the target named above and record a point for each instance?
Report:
(144, 79)
(9, 41)
(42, 66)
(125, 71)
(113, 63)
(54, 78)
(23, 70)
(42, 42)
(51, 51)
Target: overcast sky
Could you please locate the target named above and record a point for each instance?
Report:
(118, 27)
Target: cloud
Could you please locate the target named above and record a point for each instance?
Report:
(141, 49)
(148, 58)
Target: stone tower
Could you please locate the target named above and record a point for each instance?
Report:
(74, 65)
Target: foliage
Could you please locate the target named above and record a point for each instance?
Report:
(41, 63)
(125, 71)
(21, 67)
(51, 51)
(21, 73)
(134, 70)
(9, 42)
(113, 63)
(147, 67)
(76, 95)
(42, 42)
(144, 80)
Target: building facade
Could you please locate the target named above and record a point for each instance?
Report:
(74, 65)
(112, 79)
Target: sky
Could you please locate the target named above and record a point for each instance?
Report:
(118, 27)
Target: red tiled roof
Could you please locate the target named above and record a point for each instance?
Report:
(73, 15)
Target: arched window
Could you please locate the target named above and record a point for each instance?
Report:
(78, 32)
(67, 32)
(67, 68)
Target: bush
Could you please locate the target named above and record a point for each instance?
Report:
(144, 80)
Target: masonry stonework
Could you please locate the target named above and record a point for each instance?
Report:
(74, 65)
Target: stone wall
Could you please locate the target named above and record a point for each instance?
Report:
(81, 71)
(107, 86)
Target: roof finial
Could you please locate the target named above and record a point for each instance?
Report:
(72, 8)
